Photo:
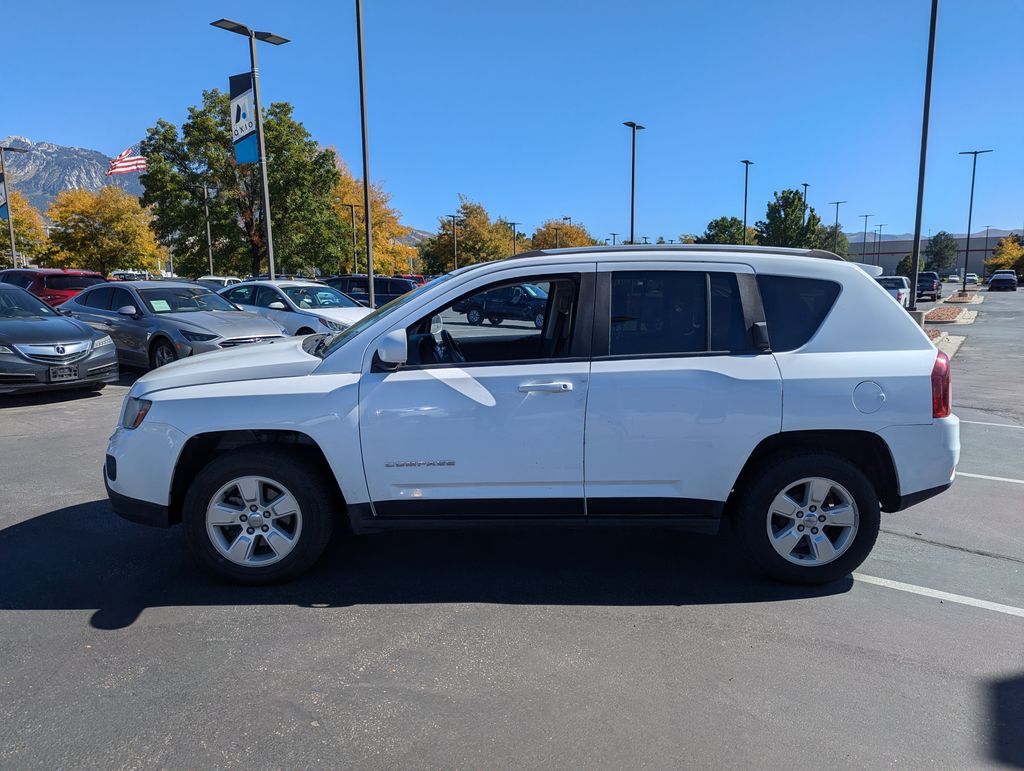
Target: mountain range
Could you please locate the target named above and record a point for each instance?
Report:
(46, 169)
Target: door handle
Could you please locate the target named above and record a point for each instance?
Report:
(557, 387)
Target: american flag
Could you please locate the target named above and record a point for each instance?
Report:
(127, 162)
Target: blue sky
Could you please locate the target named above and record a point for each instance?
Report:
(519, 105)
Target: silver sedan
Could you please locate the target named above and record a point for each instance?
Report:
(155, 322)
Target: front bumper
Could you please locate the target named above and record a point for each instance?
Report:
(136, 510)
(21, 375)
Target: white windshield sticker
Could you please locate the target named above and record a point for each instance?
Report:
(160, 305)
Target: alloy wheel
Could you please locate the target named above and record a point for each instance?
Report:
(253, 521)
(812, 521)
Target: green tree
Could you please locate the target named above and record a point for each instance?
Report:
(101, 231)
(940, 254)
(1008, 255)
(726, 230)
(29, 234)
(905, 266)
(575, 234)
(824, 237)
(480, 239)
(784, 223)
(302, 176)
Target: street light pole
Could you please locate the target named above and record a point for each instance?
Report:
(368, 219)
(746, 180)
(806, 185)
(557, 231)
(261, 161)
(613, 235)
(355, 250)
(878, 245)
(915, 260)
(864, 240)
(970, 211)
(515, 237)
(206, 211)
(10, 207)
(567, 219)
(455, 239)
(634, 126)
(988, 254)
(835, 233)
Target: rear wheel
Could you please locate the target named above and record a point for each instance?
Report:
(808, 518)
(475, 316)
(495, 320)
(161, 353)
(258, 515)
(538, 321)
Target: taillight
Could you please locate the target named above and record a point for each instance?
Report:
(941, 387)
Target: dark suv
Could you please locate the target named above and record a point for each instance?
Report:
(929, 285)
(385, 289)
(522, 302)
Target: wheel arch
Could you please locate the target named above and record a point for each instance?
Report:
(867, 450)
(202, 448)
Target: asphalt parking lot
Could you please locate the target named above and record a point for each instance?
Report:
(483, 649)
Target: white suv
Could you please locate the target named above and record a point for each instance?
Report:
(671, 385)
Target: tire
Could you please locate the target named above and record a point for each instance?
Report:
(495, 320)
(161, 352)
(475, 316)
(757, 503)
(281, 469)
(538, 321)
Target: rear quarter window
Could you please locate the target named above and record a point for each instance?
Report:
(795, 308)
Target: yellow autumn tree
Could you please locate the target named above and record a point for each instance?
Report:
(558, 233)
(1008, 255)
(390, 255)
(101, 231)
(29, 233)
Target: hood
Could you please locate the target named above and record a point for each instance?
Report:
(276, 359)
(347, 316)
(43, 330)
(224, 323)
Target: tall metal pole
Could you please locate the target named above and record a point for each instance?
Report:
(634, 126)
(515, 237)
(878, 245)
(988, 254)
(746, 181)
(262, 160)
(835, 232)
(455, 240)
(915, 260)
(613, 235)
(366, 154)
(806, 185)
(206, 211)
(864, 240)
(557, 230)
(355, 250)
(10, 208)
(970, 211)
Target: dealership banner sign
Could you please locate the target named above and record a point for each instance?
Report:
(3, 198)
(243, 119)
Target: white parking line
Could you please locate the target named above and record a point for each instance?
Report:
(1009, 610)
(983, 423)
(991, 479)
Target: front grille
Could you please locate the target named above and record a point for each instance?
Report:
(247, 340)
(60, 353)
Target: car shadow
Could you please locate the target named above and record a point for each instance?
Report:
(84, 557)
(65, 395)
(1006, 718)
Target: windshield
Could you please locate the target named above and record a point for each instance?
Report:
(334, 343)
(22, 305)
(184, 299)
(892, 283)
(72, 282)
(319, 297)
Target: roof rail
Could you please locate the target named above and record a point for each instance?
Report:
(780, 250)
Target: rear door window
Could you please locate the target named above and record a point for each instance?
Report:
(658, 312)
(795, 308)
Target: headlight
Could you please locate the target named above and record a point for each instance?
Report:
(105, 340)
(5, 349)
(196, 337)
(334, 326)
(135, 411)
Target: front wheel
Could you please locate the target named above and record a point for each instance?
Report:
(258, 515)
(808, 518)
(475, 316)
(162, 353)
(538, 321)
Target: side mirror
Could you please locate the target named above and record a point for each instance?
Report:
(277, 305)
(393, 349)
(436, 325)
(128, 310)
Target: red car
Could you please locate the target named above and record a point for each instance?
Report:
(51, 285)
